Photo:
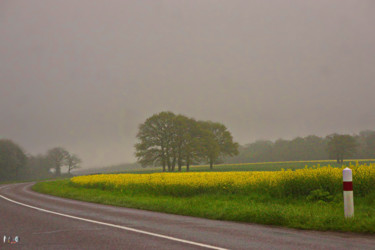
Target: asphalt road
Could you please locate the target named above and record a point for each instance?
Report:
(48, 222)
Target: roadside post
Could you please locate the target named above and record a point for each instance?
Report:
(347, 177)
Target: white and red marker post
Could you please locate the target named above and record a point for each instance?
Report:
(347, 177)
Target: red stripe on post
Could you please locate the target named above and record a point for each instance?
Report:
(348, 186)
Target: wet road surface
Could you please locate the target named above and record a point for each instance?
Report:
(47, 222)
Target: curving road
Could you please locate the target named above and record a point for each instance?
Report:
(48, 222)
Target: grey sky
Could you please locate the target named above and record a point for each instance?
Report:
(84, 74)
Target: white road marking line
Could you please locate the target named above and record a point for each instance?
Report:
(116, 226)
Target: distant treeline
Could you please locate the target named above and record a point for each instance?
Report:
(15, 164)
(304, 148)
(118, 168)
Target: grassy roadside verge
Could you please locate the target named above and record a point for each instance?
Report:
(254, 207)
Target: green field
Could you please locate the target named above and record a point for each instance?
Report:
(320, 210)
(262, 166)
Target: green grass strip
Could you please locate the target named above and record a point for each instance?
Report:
(251, 208)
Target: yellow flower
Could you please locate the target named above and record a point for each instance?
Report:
(284, 182)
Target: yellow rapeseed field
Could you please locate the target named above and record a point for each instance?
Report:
(280, 183)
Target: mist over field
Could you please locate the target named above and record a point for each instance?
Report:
(84, 74)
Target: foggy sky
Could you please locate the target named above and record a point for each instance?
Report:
(84, 74)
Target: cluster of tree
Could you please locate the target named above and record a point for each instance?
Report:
(15, 164)
(335, 146)
(59, 157)
(170, 140)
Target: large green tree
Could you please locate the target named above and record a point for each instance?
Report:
(156, 139)
(12, 160)
(341, 146)
(193, 150)
(218, 142)
(188, 141)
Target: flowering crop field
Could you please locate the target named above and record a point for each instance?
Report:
(276, 183)
(308, 198)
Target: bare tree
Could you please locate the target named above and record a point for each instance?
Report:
(72, 161)
(57, 156)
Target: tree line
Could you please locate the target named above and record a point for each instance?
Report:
(335, 146)
(172, 141)
(15, 164)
